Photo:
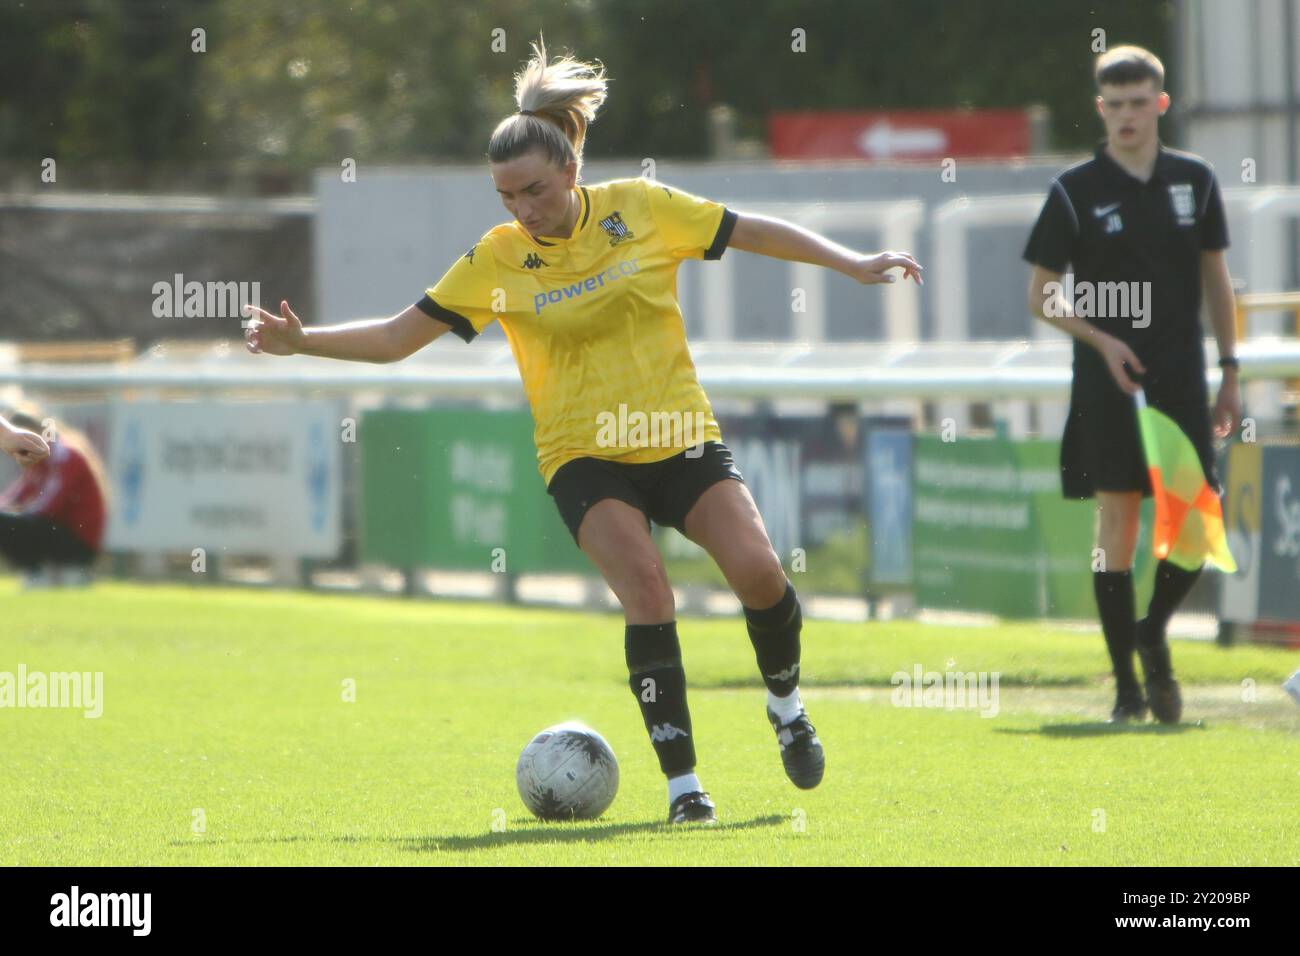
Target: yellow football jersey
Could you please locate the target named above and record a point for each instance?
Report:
(593, 320)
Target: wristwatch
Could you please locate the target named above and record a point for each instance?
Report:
(1230, 362)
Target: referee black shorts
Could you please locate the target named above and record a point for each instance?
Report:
(663, 491)
(1101, 449)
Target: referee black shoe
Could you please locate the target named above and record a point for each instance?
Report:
(1129, 707)
(693, 807)
(1162, 688)
(801, 751)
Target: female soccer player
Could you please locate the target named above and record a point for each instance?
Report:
(583, 282)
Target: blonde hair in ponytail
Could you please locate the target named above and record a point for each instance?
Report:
(557, 100)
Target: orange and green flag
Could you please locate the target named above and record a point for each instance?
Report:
(1189, 520)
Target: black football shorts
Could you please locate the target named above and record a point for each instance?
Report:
(664, 491)
(1101, 449)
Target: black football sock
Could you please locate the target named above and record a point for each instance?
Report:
(774, 632)
(656, 676)
(1114, 593)
(1172, 585)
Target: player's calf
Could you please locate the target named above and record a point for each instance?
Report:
(657, 678)
(774, 633)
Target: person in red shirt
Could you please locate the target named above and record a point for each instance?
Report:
(53, 514)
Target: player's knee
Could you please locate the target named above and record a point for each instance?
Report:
(758, 579)
(1119, 517)
(1117, 544)
(645, 593)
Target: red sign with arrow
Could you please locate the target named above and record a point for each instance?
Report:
(900, 134)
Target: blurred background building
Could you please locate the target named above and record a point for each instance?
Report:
(331, 153)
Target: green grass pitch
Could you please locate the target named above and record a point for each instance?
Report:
(225, 738)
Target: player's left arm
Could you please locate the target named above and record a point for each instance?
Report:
(1217, 284)
(767, 236)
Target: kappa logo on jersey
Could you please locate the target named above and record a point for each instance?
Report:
(787, 674)
(616, 228)
(470, 255)
(1183, 200)
(533, 261)
(661, 732)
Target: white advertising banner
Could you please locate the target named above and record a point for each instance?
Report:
(255, 479)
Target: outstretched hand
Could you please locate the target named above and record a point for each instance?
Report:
(273, 334)
(875, 269)
(23, 446)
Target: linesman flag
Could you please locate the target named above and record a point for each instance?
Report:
(1189, 520)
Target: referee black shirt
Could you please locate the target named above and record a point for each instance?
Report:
(1112, 227)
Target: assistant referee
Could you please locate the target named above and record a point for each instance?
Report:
(1144, 228)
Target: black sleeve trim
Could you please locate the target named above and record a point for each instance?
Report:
(720, 241)
(459, 324)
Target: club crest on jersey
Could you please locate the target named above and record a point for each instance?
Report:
(616, 228)
(533, 261)
(1184, 203)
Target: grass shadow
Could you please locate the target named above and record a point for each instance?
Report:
(535, 832)
(528, 831)
(1101, 729)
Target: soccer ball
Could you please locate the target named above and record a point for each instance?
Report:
(567, 772)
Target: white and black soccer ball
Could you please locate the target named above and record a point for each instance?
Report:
(567, 772)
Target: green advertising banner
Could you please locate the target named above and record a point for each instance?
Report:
(445, 488)
(991, 532)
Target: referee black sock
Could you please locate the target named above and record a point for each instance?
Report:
(1172, 585)
(774, 632)
(1114, 592)
(656, 676)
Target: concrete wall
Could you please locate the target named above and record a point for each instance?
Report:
(382, 240)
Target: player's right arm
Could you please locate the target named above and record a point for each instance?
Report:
(462, 301)
(1047, 301)
(367, 340)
